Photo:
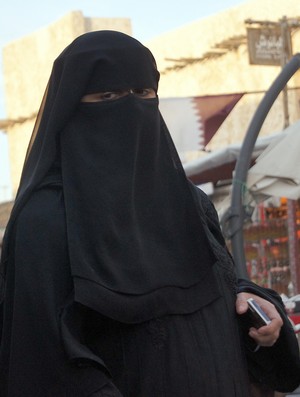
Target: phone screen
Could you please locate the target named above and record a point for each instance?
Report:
(254, 317)
(257, 316)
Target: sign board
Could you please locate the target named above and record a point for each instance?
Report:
(267, 46)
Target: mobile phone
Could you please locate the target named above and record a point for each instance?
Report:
(258, 318)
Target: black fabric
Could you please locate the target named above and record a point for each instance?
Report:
(109, 390)
(177, 355)
(38, 286)
(133, 226)
(53, 346)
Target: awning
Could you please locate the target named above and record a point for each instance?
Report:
(277, 170)
(219, 165)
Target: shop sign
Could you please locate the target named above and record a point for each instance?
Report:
(266, 46)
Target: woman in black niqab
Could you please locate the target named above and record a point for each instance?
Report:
(132, 223)
(110, 255)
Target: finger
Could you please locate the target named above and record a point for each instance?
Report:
(267, 335)
(264, 341)
(271, 329)
(241, 302)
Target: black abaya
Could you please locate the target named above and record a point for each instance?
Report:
(53, 346)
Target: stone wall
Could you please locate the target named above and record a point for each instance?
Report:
(27, 64)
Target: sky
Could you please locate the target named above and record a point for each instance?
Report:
(149, 18)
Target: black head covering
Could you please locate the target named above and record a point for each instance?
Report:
(133, 225)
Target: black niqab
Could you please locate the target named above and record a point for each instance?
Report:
(133, 226)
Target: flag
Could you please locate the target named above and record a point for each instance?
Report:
(193, 121)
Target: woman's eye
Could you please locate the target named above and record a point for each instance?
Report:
(144, 93)
(110, 95)
(103, 96)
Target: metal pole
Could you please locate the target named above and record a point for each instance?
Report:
(236, 213)
(284, 28)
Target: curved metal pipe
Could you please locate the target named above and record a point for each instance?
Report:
(236, 213)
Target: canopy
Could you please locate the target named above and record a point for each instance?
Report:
(277, 170)
(218, 165)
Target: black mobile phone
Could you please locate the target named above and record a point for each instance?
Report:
(257, 317)
(253, 317)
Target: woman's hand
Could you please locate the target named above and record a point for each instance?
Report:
(268, 334)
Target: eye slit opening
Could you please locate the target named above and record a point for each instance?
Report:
(104, 96)
(143, 93)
